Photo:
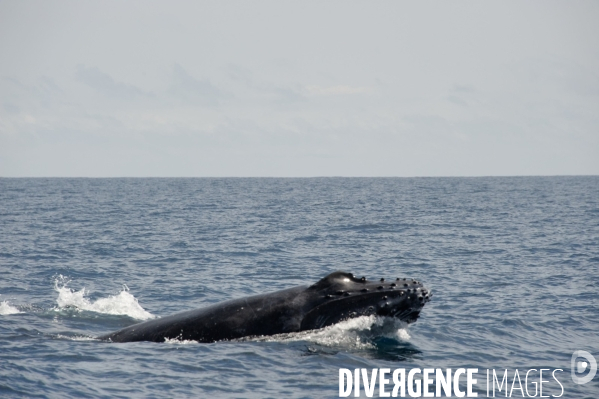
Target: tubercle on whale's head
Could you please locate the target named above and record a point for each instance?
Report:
(341, 283)
(350, 296)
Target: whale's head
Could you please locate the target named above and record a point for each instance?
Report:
(342, 296)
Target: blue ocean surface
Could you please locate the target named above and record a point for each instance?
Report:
(513, 264)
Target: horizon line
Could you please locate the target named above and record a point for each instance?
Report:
(295, 177)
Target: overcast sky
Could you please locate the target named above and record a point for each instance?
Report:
(281, 88)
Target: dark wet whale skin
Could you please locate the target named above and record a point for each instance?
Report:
(337, 297)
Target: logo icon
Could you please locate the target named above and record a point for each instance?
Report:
(580, 366)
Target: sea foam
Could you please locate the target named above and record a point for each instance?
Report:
(121, 304)
(356, 333)
(6, 309)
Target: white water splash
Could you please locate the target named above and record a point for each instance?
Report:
(6, 309)
(121, 304)
(177, 341)
(353, 333)
(76, 337)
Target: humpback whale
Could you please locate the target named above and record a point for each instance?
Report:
(336, 297)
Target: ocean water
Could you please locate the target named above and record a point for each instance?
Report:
(513, 264)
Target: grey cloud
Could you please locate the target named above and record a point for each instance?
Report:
(463, 89)
(11, 108)
(48, 85)
(240, 74)
(244, 77)
(191, 90)
(18, 95)
(105, 84)
(284, 95)
(457, 100)
(43, 86)
(569, 76)
(15, 82)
